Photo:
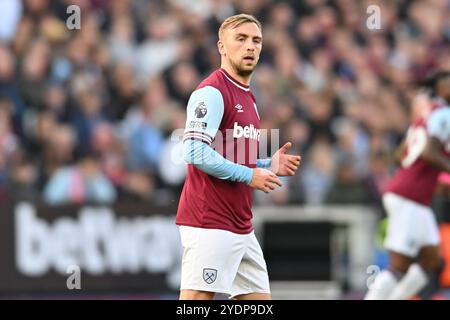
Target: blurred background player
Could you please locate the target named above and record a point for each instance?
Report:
(413, 231)
(221, 253)
(443, 189)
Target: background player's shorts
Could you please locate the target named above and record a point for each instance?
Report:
(222, 261)
(411, 225)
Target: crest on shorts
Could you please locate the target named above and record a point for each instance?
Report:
(209, 275)
(201, 110)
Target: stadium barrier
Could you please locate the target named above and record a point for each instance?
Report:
(135, 249)
(317, 252)
(125, 248)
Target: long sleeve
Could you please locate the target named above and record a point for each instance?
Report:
(264, 163)
(211, 162)
(204, 114)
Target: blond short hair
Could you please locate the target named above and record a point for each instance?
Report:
(236, 20)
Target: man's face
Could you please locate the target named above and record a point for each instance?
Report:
(241, 46)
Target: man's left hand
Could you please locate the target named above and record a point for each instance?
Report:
(283, 164)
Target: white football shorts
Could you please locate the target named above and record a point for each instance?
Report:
(411, 225)
(222, 261)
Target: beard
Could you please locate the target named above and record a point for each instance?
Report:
(241, 69)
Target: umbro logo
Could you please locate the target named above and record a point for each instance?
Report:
(239, 108)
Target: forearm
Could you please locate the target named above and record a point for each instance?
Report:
(438, 161)
(438, 128)
(209, 161)
(434, 156)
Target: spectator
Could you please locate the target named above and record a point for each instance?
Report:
(318, 174)
(11, 12)
(8, 145)
(9, 88)
(348, 188)
(23, 182)
(78, 184)
(340, 91)
(143, 138)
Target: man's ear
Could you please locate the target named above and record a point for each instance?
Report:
(221, 47)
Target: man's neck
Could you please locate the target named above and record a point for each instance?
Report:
(230, 70)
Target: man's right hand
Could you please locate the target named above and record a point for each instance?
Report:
(264, 180)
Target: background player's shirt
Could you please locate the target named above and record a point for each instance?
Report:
(222, 113)
(416, 179)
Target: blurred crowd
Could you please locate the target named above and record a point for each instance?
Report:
(87, 115)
